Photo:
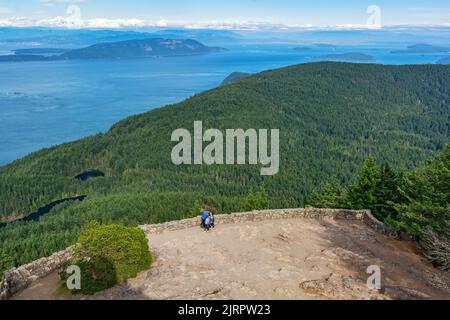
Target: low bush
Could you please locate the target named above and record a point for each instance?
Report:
(109, 254)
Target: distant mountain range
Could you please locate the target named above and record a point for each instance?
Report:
(55, 37)
(325, 38)
(138, 48)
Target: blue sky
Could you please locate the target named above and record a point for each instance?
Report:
(288, 12)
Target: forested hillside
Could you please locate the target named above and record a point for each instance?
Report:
(332, 117)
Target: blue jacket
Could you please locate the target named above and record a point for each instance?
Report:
(205, 215)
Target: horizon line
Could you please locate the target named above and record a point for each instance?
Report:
(124, 24)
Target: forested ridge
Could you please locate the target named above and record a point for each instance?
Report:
(331, 116)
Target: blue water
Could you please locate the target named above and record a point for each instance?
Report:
(48, 103)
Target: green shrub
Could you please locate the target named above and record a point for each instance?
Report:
(97, 274)
(110, 254)
(256, 201)
(6, 262)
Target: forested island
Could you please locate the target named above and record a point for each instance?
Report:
(350, 56)
(130, 49)
(422, 49)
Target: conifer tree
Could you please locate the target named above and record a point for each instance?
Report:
(361, 195)
(331, 195)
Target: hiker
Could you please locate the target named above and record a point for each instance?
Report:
(211, 217)
(205, 215)
(208, 223)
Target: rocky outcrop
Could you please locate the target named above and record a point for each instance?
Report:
(340, 287)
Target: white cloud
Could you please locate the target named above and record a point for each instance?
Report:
(114, 23)
(15, 22)
(70, 22)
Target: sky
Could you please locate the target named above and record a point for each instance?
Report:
(221, 14)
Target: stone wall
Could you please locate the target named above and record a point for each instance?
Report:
(311, 213)
(17, 279)
(379, 226)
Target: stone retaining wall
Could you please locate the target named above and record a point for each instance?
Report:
(311, 213)
(379, 226)
(17, 279)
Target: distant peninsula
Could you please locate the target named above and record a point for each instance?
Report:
(40, 51)
(23, 58)
(444, 60)
(350, 56)
(302, 49)
(141, 48)
(422, 49)
(325, 45)
(235, 76)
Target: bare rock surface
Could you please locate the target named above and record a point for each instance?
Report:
(274, 259)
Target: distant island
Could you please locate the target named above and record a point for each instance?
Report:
(350, 56)
(40, 51)
(141, 48)
(235, 76)
(324, 45)
(302, 49)
(444, 60)
(23, 58)
(422, 49)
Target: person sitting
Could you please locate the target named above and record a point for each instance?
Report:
(208, 223)
(211, 217)
(205, 215)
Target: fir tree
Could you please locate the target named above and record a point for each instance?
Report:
(361, 195)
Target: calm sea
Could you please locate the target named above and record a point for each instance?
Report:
(47, 103)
